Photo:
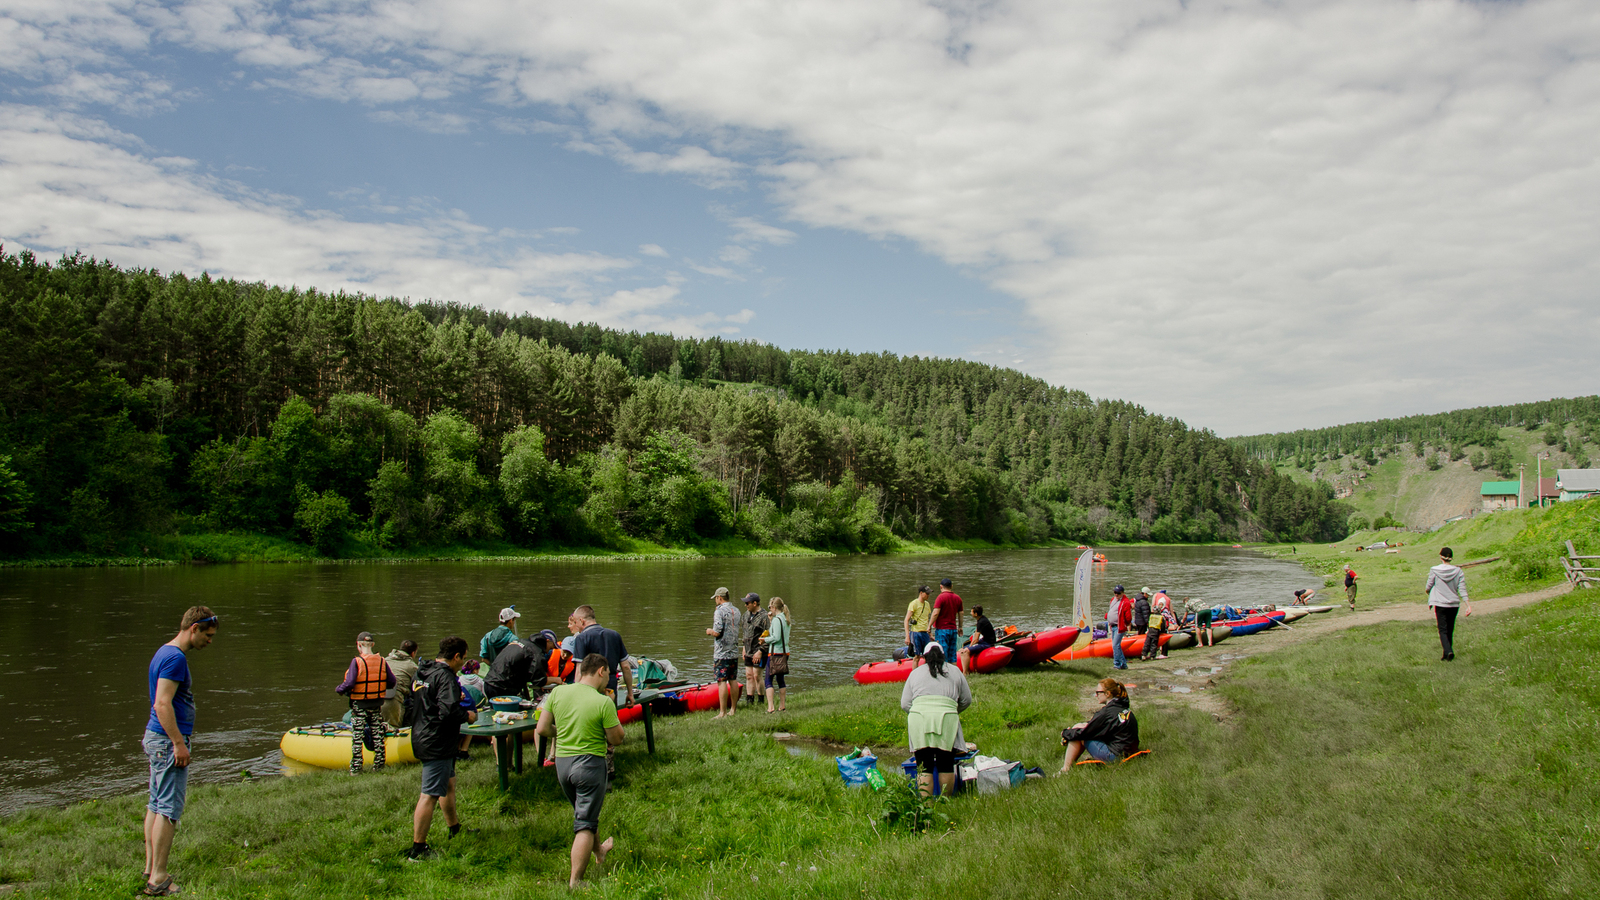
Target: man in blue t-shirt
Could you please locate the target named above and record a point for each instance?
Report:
(166, 743)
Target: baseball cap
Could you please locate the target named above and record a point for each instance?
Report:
(752, 597)
(945, 582)
(364, 637)
(720, 592)
(549, 637)
(924, 589)
(1117, 589)
(1146, 591)
(509, 613)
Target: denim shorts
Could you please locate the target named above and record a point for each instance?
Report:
(1100, 750)
(436, 775)
(169, 782)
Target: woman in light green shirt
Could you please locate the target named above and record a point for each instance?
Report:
(777, 640)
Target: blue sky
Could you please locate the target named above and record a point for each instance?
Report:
(1255, 216)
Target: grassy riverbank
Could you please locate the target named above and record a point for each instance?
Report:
(1342, 765)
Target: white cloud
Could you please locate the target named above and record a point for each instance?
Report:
(67, 185)
(652, 250)
(1254, 214)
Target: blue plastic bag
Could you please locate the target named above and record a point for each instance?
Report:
(854, 771)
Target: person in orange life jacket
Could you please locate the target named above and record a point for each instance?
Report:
(365, 683)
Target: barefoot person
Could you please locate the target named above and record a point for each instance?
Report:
(583, 722)
(436, 718)
(725, 653)
(166, 743)
(1111, 736)
(777, 641)
(1447, 593)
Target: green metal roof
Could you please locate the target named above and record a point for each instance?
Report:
(1498, 488)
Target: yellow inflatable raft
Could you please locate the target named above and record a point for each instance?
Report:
(328, 747)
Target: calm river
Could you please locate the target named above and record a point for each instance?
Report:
(81, 639)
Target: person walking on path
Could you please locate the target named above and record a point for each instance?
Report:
(756, 623)
(725, 653)
(1112, 735)
(777, 641)
(166, 743)
(1350, 586)
(1447, 593)
(490, 645)
(365, 684)
(1119, 617)
(933, 698)
(436, 718)
(583, 721)
(947, 619)
(402, 661)
(918, 614)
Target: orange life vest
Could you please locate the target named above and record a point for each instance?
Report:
(372, 678)
(561, 665)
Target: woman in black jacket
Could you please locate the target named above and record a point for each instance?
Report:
(1111, 736)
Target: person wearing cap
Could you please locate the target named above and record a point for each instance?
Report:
(496, 640)
(725, 653)
(756, 624)
(1141, 621)
(918, 614)
(522, 664)
(365, 683)
(1119, 617)
(1447, 593)
(947, 619)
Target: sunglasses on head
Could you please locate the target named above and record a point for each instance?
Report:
(207, 620)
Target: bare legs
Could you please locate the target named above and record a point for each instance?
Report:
(783, 699)
(422, 819)
(728, 697)
(947, 783)
(1074, 750)
(582, 845)
(158, 832)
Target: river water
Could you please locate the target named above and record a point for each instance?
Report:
(75, 685)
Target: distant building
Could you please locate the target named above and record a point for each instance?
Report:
(1500, 494)
(1575, 484)
(1547, 491)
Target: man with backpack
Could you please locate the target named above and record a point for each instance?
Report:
(436, 718)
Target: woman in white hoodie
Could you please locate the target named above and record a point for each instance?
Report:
(1447, 593)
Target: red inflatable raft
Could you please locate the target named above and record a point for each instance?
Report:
(1131, 645)
(888, 671)
(1040, 647)
(991, 660)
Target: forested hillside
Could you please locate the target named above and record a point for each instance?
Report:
(134, 403)
(1450, 433)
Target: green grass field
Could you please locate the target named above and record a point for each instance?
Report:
(1346, 766)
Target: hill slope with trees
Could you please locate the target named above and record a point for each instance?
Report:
(135, 403)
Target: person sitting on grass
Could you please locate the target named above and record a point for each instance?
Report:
(983, 637)
(1112, 735)
(583, 721)
(934, 698)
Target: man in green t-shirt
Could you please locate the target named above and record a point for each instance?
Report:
(583, 721)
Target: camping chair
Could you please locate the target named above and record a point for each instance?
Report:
(1091, 761)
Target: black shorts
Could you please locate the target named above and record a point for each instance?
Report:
(930, 757)
(750, 661)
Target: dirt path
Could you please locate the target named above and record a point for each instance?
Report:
(1187, 676)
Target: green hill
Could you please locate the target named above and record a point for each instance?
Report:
(1422, 471)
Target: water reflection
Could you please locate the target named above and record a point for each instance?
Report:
(82, 638)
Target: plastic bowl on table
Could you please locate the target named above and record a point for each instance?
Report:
(506, 704)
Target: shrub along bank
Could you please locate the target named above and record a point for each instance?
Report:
(1342, 766)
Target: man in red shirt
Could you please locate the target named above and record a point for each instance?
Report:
(947, 619)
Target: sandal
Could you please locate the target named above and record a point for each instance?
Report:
(165, 889)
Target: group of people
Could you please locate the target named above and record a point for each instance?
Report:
(939, 621)
(1148, 613)
(760, 639)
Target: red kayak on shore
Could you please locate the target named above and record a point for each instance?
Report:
(1043, 645)
(1132, 645)
(992, 659)
(888, 671)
